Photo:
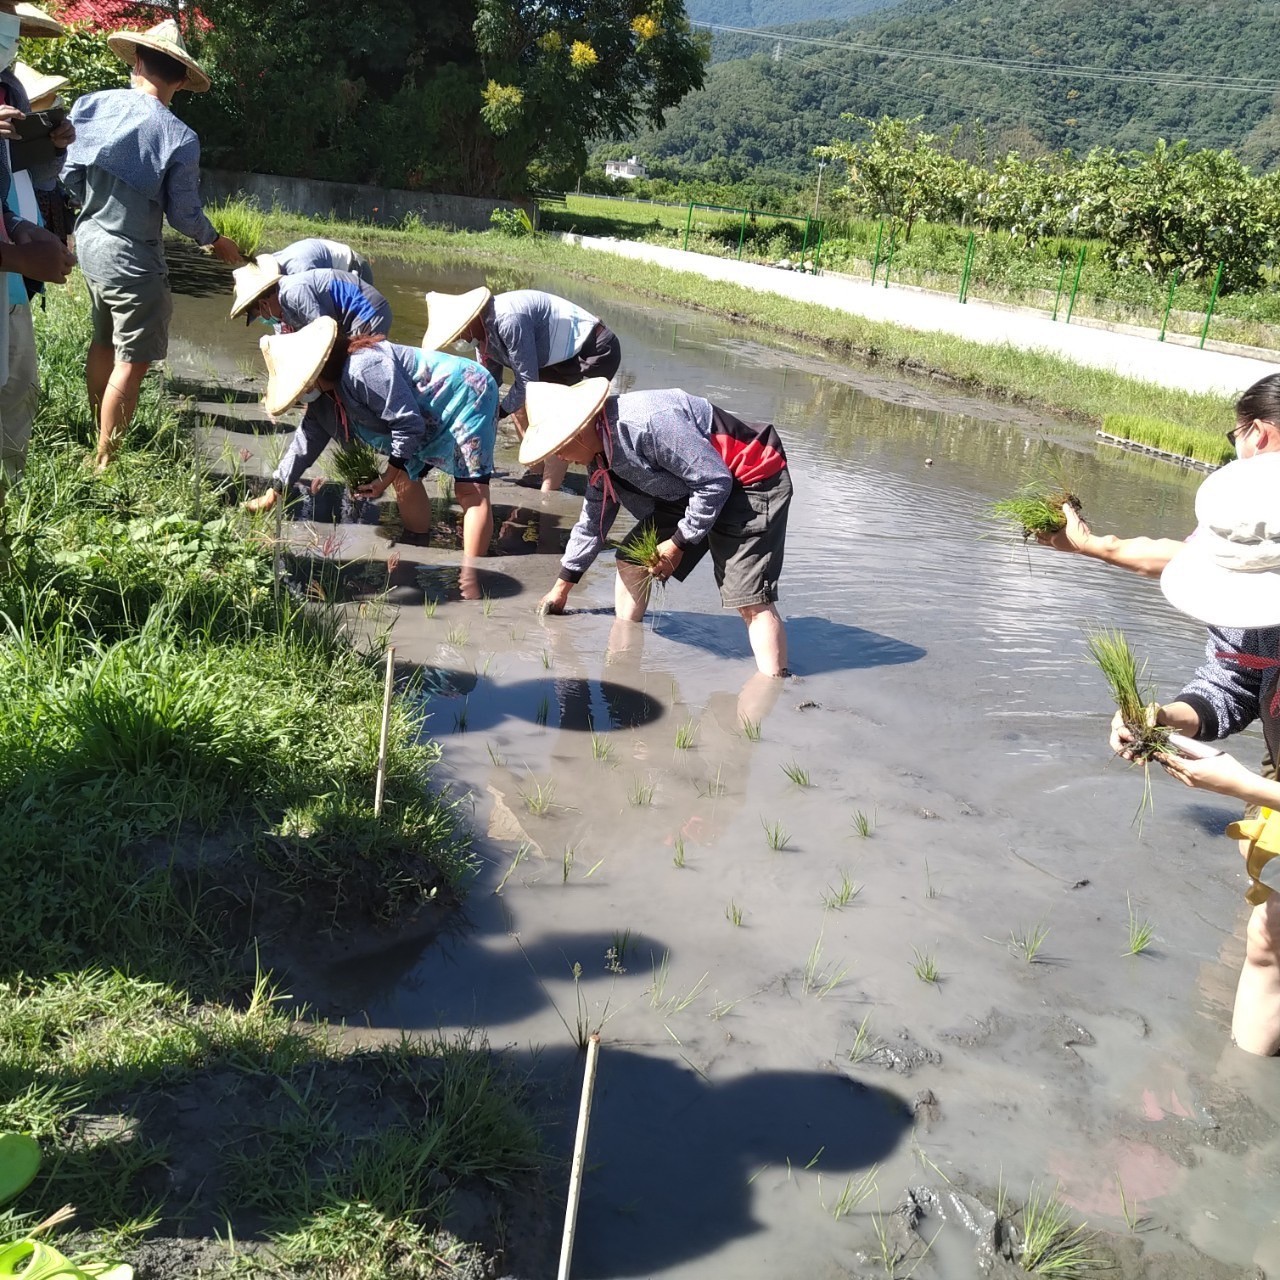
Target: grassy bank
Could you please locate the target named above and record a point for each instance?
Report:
(186, 775)
(1029, 378)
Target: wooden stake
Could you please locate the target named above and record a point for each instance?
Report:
(380, 787)
(579, 1157)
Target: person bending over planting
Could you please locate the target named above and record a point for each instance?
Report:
(696, 479)
(291, 302)
(539, 337)
(314, 254)
(134, 163)
(422, 409)
(1228, 575)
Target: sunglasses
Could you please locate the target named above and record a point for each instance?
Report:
(1236, 432)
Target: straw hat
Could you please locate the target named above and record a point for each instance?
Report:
(1228, 575)
(164, 37)
(294, 361)
(448, 314)
(41, 89)
(36, 23)
(252, 281)
(557, 413)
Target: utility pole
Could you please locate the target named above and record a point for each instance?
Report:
(822, 164)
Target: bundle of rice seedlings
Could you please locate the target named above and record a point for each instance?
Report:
(241, 222)
(1117, 661)
(355, 464)
(641, 550)
(1037, 508)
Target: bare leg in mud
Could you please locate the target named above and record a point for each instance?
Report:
(1255, 1021)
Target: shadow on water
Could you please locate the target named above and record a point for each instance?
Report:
(572, 703)
(197, 275)
(817, 644)
(1210, 818)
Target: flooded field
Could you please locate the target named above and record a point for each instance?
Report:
(856, 942)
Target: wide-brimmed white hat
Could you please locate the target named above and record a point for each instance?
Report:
(38, 86)
(36, 24)
(448, 314)
(252, 281)
(557, 413)
(164, 37)
(1228, 575)
(294, 361)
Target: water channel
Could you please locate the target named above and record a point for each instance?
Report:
(943, 694)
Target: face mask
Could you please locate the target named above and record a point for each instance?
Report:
(10, 26)
(309, 397)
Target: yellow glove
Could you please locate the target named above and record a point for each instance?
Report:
(1263, 835)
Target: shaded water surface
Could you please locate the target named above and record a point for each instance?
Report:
(767, 1036)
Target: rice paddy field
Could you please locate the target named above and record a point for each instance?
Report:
(888, 980)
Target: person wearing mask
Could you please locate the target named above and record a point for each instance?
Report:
(262, 292)
(132, 165)
(27, 250)
(539, 337)
(696, 477)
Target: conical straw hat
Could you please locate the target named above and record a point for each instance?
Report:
(35, 22)
(38, 86)
(557, 413)
(294, 361)
(164, 37)
(448, 314)
(252, 281)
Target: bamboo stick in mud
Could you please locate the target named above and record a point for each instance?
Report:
(579, 1157)
(381, 783)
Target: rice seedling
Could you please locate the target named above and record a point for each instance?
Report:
(546, 660)
(1027, 942)
(595, 866)
(566, 862)
(842, 894)
(686, 733)
(924, 966)
(1171, 437)
(1141, 932)
(864, 1042)
(855, 1191)
(460, 717)
(641, 793)
(444, 486)
(817, 981)
(429, 608)
(641, 550)
(797, 775)
(776, 835)
(930, 889)
(521, 854)
(1133, 1217)
(863, 825)
(713, 788)
(539, 798)
(601, 747)
(1119, 664)
(618, 951)
(750, 729)
(733, 913)
(354, 465)
(1051, 1246)
(543, 711)
(459, 637)
(1036, 508)
(241, 222)
(677, 857)
(488, 605)
(723, 1008)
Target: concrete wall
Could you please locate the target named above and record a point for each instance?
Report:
(351, 202)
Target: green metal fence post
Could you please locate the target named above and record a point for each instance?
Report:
(742, 235)
(875, 265)
(688, 222)
(1062, 275)
(817, 253)
(888, 262)
(968, 266)
(1213, 302)
(1075, 284)
(1168, 306)
(805, 246)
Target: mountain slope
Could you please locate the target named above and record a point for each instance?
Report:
(773, 13)
(773, 100)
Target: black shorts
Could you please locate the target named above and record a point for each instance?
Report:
(747, 541)
(600, 357)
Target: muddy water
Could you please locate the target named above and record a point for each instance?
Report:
(941, 692)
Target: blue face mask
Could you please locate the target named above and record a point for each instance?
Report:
(10, 26)
(309, 397)
(274, 325)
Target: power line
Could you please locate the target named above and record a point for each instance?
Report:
(1157, 79)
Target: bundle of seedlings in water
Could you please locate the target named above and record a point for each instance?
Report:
(1037, 508)
(355, 464)
(1110, 650)
(641, 550)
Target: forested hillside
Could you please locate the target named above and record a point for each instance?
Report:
(1119, 74)
(773, 13)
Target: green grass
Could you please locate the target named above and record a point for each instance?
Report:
(1004, 372)
(241, 222)
(1203, 444)
(187, 762)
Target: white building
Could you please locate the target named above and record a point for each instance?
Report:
(624, 168)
